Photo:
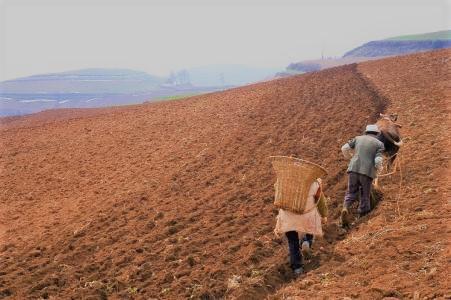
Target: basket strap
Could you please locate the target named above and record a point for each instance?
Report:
(316, 197)
(318, 193)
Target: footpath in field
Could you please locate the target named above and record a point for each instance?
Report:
(174, 199)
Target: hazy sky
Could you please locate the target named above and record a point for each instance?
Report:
(41, 36)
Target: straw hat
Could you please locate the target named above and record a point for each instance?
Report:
(372, 128)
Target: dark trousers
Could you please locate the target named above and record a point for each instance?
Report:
(359, 183)
(295, 254)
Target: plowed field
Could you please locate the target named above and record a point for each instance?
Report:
(173, 200)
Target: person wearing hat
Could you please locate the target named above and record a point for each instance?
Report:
(365, 161)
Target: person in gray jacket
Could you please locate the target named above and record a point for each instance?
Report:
(365, 161)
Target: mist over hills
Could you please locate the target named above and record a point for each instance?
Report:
(215, 75)
(100, 87)
(77, 89)
(107, 87)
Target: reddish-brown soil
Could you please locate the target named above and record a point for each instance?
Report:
(402, 249)
(173, 200)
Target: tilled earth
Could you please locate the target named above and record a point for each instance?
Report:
(173, 200)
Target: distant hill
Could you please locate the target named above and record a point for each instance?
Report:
(318, 64)
(403, 45)
(111, 87)
(374, 50)
(87, 88)
(84, 81)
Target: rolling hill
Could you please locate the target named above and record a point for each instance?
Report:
(87, 88)
(403, 45)
(173, 200)
(90, 88)
(399, 45)
(85, 81)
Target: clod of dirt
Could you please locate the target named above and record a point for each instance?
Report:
(234, 282)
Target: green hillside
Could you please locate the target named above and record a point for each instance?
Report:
(438, 35)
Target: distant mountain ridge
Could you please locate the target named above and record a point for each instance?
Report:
(87, 88)
(84, 81)
(98, 87)
(403, 45)
(398, 45)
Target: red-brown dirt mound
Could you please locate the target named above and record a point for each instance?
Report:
(174, 199)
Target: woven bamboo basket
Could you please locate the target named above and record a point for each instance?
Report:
(294, 178)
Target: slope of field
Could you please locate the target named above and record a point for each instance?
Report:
(174, 199)
(402, 250)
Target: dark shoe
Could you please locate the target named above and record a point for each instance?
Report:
(306, 250)
(345, 218)
(298, 272)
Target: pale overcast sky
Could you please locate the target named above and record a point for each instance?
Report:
(159, 36)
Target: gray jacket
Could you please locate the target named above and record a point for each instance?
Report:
(367, 154)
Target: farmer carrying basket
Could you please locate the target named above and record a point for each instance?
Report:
(302, 205)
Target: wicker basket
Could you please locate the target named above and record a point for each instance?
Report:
(294, 178)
